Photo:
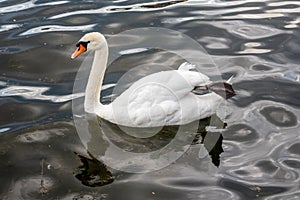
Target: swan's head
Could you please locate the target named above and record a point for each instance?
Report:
(89, 42)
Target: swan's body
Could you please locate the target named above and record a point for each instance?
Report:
(163, 98)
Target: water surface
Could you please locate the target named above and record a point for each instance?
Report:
(256, 41)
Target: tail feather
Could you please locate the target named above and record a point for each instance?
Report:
(223, 89)
(229, 81)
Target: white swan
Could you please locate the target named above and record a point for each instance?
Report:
(172, 97)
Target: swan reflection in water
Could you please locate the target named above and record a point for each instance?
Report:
(93, 172)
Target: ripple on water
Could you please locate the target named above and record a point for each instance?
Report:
(7, 27)
(27, 188)
(253, 48)
(268, 171)
(269, 88)
(241, 133)
(245, 30)
(55, 28)
(265, 171)
(206, 193)
(184, 183)
(292, 163)
(266, 166)
(28, 5)
(77, 196)
(216, 42)
(261, 67)
(16, 112)
(249, 191)
(250, 31)
(285, 196)
(40, 136)
(290, 158)
(279, 116)
(261, 165)
(295, 149)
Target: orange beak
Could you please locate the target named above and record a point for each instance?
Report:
(78, 51)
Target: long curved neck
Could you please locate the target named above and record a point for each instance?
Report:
(94, 85)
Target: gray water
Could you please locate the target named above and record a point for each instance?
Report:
(257, 155)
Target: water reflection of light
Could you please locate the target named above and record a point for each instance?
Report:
(54, 28)
(293, 24)
(283, 3)
(113, 9)
(255, 16)
(225, 11)
(254, 51)
(7, 27)
(32, 92)
(2, 130)
(28, 5)
(39, 93)
(284, 10)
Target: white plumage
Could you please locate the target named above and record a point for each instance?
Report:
(163, 98)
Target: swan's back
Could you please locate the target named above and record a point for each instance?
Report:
(161, 99)
(179, 83)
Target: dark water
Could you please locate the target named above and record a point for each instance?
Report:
(259, 154)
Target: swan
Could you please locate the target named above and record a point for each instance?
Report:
(174, 97)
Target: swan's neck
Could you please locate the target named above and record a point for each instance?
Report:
(92, 102)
